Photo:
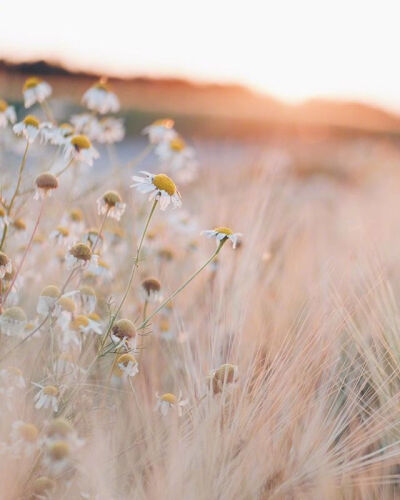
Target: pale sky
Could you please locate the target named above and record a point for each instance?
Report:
(290, 49)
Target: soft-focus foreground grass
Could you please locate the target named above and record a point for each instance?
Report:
(307, 308)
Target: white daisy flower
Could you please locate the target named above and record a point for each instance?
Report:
(160, 187)
(29, 128)
(123, 333)
(160, 131)
(127, 366)
(45, 183)
(61, 429)
(57, 457)
(13, 321)
(81, 255)
(63, 311)
(74, 220)
(79, 147)
(168, 401)
(223, 233)
(100, 98)
(47, 300)
(111, 130)
(5, 265)
(7, 114)
(57, 136)
(46, 397)
(111, 203)
(35, 90)
(61, 236)
(175, 153)
(24, 439)
(101, 269)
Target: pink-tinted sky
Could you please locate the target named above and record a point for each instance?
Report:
(291, 49)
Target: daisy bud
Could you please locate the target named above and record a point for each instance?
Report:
(111, 203)
(47, 299)
(45, 184)
(79, 254)
(150, 289)
(123, 329)
(80, 323)
(59, 427)
(66, 304)
(43, 486)
(5, 265)
(76, 215)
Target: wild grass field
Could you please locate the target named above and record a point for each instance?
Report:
(140, 359)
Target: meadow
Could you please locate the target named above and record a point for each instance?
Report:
(221, 326)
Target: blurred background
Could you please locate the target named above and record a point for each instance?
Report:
(288, 79)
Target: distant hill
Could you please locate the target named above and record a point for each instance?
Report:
(227, 109)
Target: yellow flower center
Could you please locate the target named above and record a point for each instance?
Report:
(31, 83)
(164, 122)
(43, 484)
(63, 231)
(67, 304)
(94, 317)
(164, 183)
(15, 314)
(102, 85)
(59, 450)
(81, 252)
(224, 230)
(111, 198)
(29, 432)
(169, 398)
(32, 121)
(67, 129)
(76, 215)
(2, 212)
(59, 426)
(81, 142)
(19, 224)
(79, 322)
(50, 291)
(177, 145)
(50, 390)
(126, 358)
(3, 105)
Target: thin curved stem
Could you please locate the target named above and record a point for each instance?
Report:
(28, 247)
(65, 168)
(178, 290)
(21, 170)
(100, 230)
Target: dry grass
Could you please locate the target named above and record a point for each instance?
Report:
(307, 308)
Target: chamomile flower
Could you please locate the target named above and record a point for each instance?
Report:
(160, 187)
(79, 147)
(95, 324)
(111, 203)
(13, 321)
(167, 401)
(58, 136)
(29, 128)
(35, 90)
(111, 130)
(160, 131)
(83, 324)
(43, 488)
(46, 397)
(127, 365)
(5, 265)
(223, 234)
(80, 255)
(24, 438)
(123, 333)
(7, 114)
(175, 153)
(57, 457)
(64, 309)
(101, 269)
(88, 298)
(150, 290)
(45, 183)
(61, 236)
(61, 429)
(47, 299)
(74, 220)
(87, 124)
(100, 98)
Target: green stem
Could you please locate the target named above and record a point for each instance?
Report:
(174, 294)
(21, 170)
(3, 238)
(131, 276)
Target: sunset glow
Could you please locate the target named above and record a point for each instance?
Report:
(292, 50)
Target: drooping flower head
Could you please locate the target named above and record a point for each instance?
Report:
(160, 186)
(123, 332)
(13, 321)
(223, 234)
(150, 290)
(5, 265)
(80, 254)
(29, 128)
(111, 203)
(100, 98)
(47, 299)
(35, 90)
(127, 366)
(167, 401)
(79, 147)
(7, 114)
(45, 183)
